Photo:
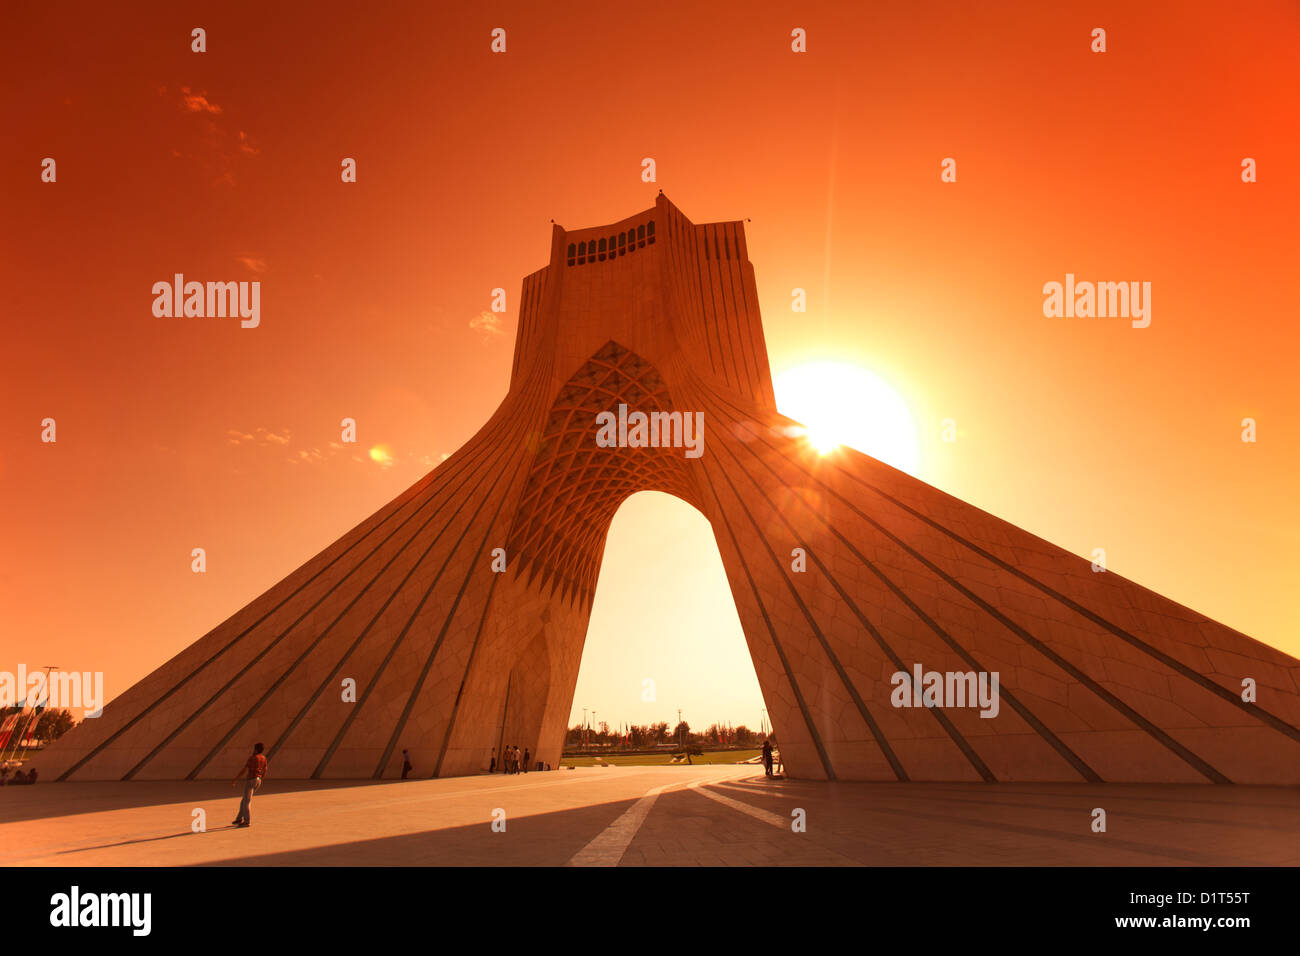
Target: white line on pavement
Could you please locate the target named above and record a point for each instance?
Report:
(764, 815)
(608, 847)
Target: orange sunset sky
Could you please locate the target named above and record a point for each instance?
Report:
(183, 433)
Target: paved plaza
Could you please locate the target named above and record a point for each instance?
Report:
(649, 816)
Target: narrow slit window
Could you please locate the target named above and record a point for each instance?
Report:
(573, 251)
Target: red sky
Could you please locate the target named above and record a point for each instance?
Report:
(1116, 166)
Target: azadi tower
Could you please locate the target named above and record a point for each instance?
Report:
(1099, 678)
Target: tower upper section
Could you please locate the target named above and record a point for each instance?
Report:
(679, 293)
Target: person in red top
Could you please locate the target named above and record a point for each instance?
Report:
(253, 771)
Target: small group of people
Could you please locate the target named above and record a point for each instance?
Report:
(512, 761)
(19, 778)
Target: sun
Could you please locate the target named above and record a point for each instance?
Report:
(842, 404)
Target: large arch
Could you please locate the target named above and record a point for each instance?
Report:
(1100, 679)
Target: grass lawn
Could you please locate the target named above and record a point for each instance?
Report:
(660, 759)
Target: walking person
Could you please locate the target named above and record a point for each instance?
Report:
(767, 757)
(527, 756)
(492, 767)
(406, 763)
(519, 760)
(253, 772)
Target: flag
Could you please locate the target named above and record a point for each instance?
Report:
(6, 730)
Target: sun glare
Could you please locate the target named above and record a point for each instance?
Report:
(841, 404)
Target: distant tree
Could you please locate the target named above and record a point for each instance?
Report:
(682, 733)
(52, 725)
(659, 732)
(691, 750)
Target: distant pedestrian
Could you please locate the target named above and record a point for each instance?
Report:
(492, 767)
(253, 772)
(527, 756)
(406, 763)
(767, 757)
(519, 760)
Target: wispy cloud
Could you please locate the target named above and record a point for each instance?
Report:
(259, 436)
(380, 455)
(193, 102)
(488, 324)
(207, 136)
(252, 263)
